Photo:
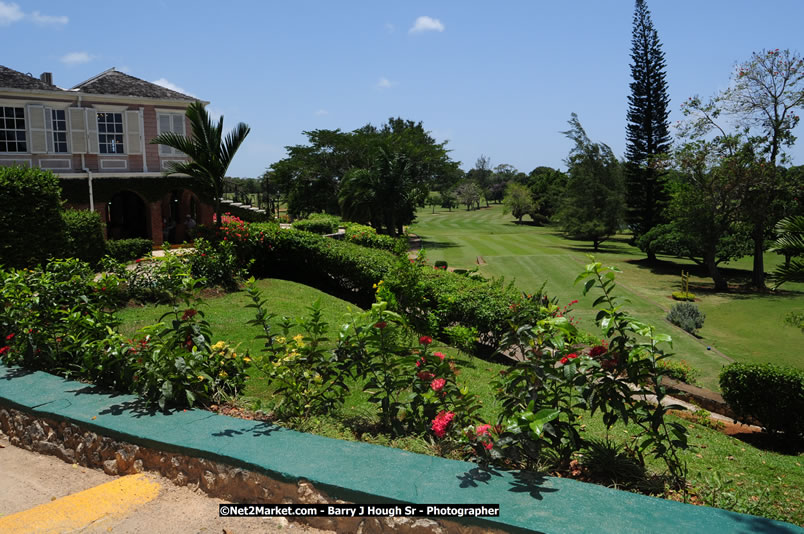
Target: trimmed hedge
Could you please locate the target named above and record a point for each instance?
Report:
(771, 394)
(367, 236)
(129, 249)
(83, 236)
(31, 226)
(318, 223)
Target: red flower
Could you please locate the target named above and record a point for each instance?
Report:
(572, 356)
(425, 340)
(10, 336)
(439, 354)
(188, 314)
(488, 445)
(3, 350)
(597, 350)
(425, 375)
(381, 325)
(573, 302)
(420, 361)
(138, 260)
(564, 360)
(437, 384)
(441, 422)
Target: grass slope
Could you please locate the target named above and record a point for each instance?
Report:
(739, 326)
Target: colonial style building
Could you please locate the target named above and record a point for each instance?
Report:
(96, 138)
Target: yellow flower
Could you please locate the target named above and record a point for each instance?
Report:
(224, 374)
(246, 359)
(219, 345)
(200, 377)
(281, 340)
(298, 338)
(317, 379)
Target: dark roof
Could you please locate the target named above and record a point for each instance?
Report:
(13, 79)
(112, 82)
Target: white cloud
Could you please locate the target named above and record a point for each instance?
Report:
(10, 13)
(426, 24)
(76, 58)
(385, 83)
(321, 112)
(47, 20)
(172, 86)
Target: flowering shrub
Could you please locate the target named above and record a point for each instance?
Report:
(543, 394)
(59, 319)
(308, 378)
(216, 264)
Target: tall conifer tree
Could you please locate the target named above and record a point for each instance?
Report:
(647, 133)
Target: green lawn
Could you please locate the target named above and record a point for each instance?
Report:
(740, 326)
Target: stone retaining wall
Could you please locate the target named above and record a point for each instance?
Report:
(77, 445)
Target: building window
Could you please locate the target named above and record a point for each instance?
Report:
(59, 125)
(173, 123)
(12, 130)
(110, 133)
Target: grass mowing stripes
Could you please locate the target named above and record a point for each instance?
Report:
(744, 326)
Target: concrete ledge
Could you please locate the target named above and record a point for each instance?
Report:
(363, 473)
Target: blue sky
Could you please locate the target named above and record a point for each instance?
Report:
(498, 79)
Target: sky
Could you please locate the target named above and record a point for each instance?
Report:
(496, 79)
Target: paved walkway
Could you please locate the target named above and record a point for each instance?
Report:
(44, 494)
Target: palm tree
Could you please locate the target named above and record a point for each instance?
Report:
(210, 154)
(791, 242)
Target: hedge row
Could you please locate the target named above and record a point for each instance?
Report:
(432, 299)
(771, 394)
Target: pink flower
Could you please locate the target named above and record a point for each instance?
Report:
(3, 350)
(483, 430)
(488, 445)
(439, 354)
(437, 384)
(425, 340)
(441, 422)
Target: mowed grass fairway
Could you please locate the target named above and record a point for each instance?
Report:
(739, 326)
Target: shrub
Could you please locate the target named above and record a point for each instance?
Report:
(683, 295)
(84, 236)
(318, 223)
(441, 264)
(771, 394)
(31, 227)
(367, 236)
(129, 249)
(687, 316)
(60, 320)
(680, 371)
(216, 263)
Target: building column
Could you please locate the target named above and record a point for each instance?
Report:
(156, 222)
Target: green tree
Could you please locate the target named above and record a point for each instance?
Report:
(705, 223)
(434, 199)
(547, 186)
(210, 153)
(469, 194)
(595, 201)
(647, 132)
(518, 201)
(766, 91)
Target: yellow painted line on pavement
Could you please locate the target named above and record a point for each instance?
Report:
(112, 499)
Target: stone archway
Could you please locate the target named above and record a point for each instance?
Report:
(178, 207)
(127, 216)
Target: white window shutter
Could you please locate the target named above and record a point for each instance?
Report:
(77, 125)
(49, 130)
(133, 144)
(36, 129)
(93, 144)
